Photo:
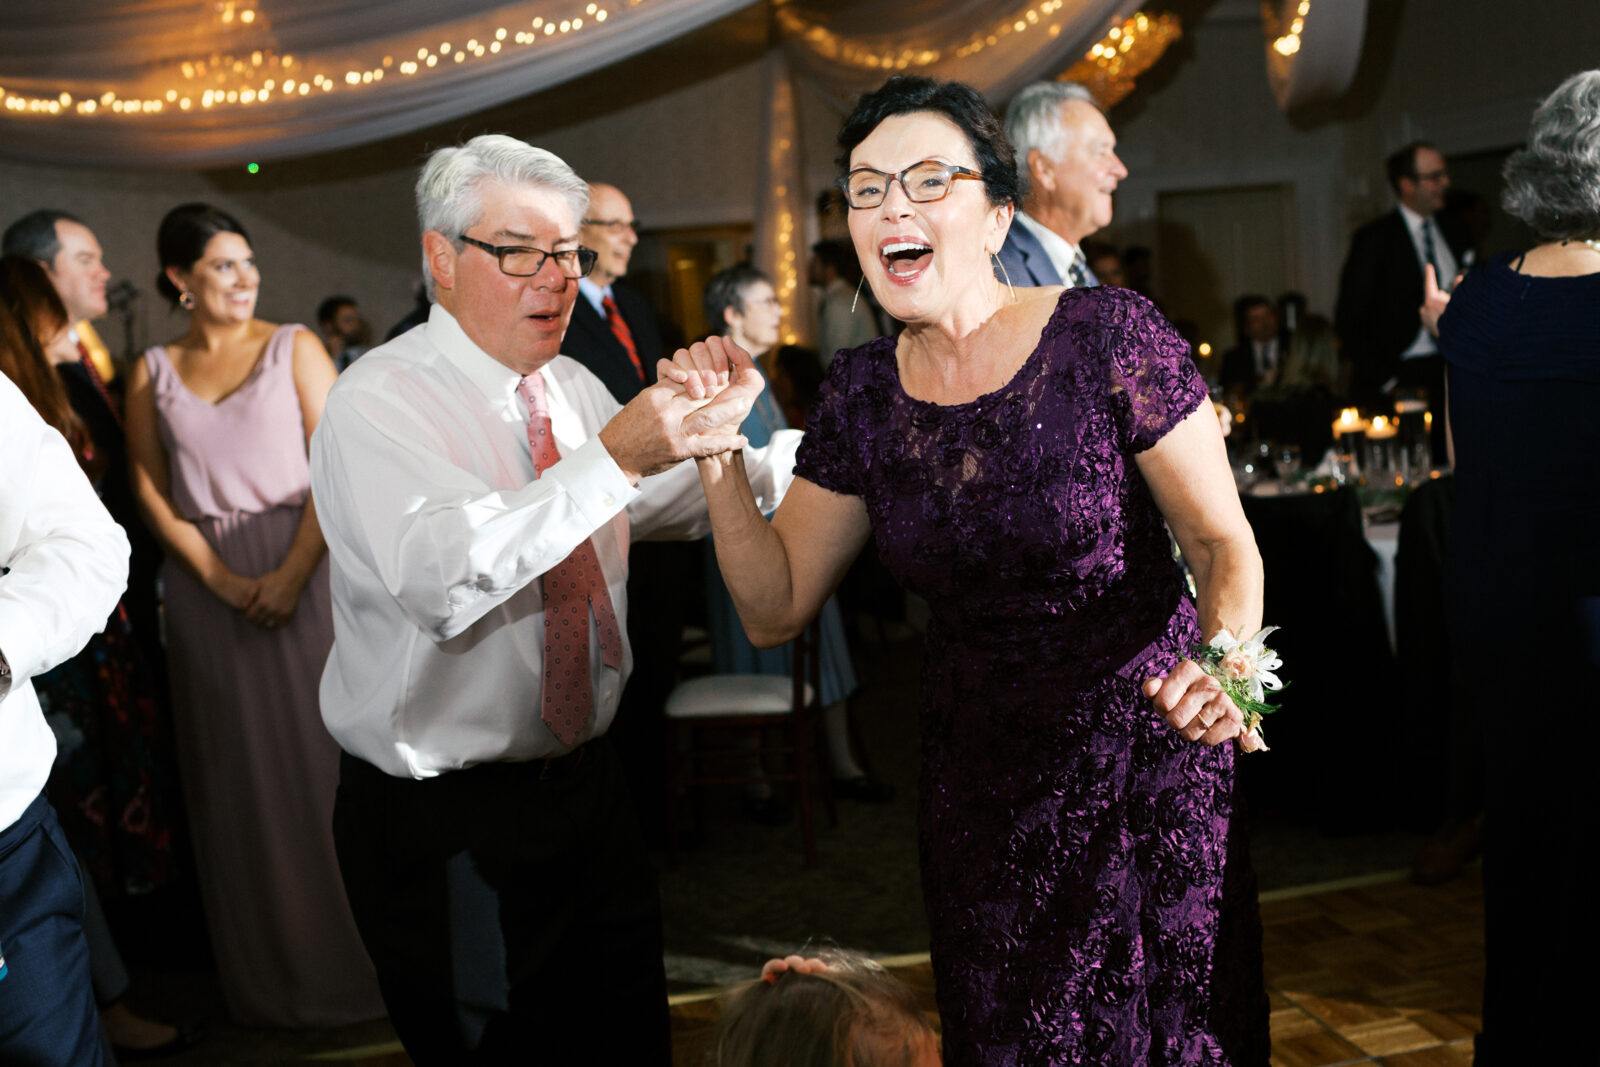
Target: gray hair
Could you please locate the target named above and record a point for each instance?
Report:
(1033, 118)
(1553, 184)
(448, 189)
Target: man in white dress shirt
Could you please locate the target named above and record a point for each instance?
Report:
(1067, 156)
(488, 848)
(63, 564)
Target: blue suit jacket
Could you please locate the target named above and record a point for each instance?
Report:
(1025, 260)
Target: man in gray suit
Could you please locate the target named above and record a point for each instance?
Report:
(1067, 155)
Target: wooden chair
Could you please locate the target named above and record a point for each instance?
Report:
(732, 706)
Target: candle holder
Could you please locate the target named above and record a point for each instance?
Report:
(1413, 453)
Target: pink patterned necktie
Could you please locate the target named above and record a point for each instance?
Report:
(571, 588)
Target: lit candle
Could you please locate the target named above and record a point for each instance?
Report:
(1349, 422)
(1381, 429)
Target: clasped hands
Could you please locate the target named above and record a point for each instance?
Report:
(693, 411)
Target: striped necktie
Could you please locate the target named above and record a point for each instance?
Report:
(619, 327)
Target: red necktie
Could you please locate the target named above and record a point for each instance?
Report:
(624, 335)
(571, 588)
(98, 382)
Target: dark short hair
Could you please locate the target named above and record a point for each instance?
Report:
(840, 256)
(906, 94)
(182, 238)
(1242, 306)
(1402, 163)
(1553, 184)
(330, 307)
(726, 290)
(34, 235)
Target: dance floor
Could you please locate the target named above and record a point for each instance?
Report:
(1373, 970)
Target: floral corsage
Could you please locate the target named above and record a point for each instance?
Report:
(1245, 670)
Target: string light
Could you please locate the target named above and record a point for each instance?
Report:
(251, 75)
(1285, 40)
(874, 54)
(1125, 52)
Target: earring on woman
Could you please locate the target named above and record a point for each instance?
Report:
(857, 298)
(186, 300)
(1006, 273)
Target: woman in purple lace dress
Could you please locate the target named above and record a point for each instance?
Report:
(1014, 455)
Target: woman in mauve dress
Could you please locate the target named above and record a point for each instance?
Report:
(1014, 455)
(218, 426)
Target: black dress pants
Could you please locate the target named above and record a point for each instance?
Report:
(510, 910)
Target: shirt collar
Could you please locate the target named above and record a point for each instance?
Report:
(595, 295)
(497, 381)
(1414, 221)
(1061, 251)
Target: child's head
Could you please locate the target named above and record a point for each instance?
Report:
(840, 1010)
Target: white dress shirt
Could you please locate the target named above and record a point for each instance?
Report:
(1061, 251)
(1423, 344)
(68, 565)
(437, 531)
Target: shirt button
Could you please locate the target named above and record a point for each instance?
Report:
(607, 499)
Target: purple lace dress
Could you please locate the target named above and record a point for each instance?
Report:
(1086, 899)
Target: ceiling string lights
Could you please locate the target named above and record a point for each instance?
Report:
(1125, 52)
(261, 76)
(872, 54)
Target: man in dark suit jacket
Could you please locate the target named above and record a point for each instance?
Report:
(1380, 289)
(661, 574)
(1257, 359)
(1067, 156)
(592, 338)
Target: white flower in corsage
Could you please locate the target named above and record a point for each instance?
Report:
(1245, 670)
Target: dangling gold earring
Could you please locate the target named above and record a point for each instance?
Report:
(1006, 273)
(857, 299)
(186, 300)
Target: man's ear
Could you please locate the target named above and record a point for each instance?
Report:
(1040, 170)
(441, 256)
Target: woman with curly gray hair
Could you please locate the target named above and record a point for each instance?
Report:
(1521, 337)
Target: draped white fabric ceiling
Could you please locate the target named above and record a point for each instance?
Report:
(105, 81)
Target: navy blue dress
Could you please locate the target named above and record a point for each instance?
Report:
(1523, 586)
(1088, 898)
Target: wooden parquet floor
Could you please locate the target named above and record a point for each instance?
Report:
(1372, 970)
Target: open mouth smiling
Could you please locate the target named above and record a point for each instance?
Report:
(905, 258)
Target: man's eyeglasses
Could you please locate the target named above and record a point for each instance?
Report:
(922, 182)
(614, 225)
(520, 261)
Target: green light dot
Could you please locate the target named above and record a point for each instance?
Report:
(253, 168)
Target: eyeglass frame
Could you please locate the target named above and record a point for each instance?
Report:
(500, 252)
(613, 225)
(956, 173)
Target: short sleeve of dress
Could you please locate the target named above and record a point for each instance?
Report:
(834, 428)
(1154, 382)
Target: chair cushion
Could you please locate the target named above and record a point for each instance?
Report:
(733, 694)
